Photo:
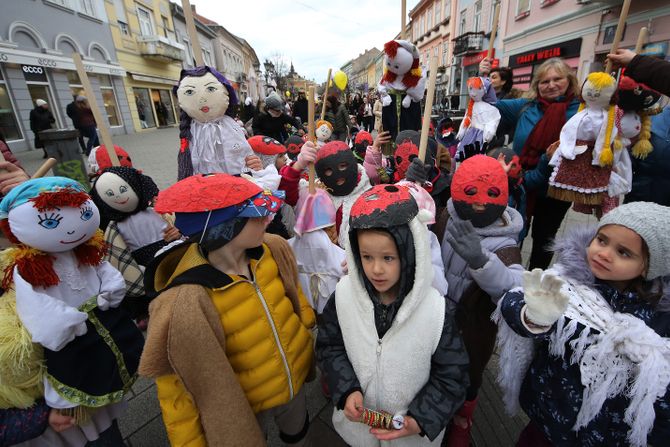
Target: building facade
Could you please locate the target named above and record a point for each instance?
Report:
(147, 48)
(206, 38)
(36, 63)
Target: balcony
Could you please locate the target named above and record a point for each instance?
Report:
(471, 42)
(160, 48)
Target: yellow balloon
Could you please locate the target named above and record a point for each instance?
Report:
(340, 79)
(288, 94)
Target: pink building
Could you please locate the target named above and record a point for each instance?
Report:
(578, 31)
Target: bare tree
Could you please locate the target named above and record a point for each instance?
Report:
(280, 69)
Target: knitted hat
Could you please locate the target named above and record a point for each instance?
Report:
(80, 98)
(650, 221)
(273, 101)
(40, 102)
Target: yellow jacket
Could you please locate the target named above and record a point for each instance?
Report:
(267, 344)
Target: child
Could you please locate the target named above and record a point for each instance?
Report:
(482, 261)
(384, 313)
(584, 347)
(228, 340)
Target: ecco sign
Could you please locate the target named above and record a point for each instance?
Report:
(34, 73)
(32, 69)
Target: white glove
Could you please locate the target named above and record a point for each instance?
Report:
(110, 299)
(386, 100)
(545, 301)
(306, 156)
(407, 101)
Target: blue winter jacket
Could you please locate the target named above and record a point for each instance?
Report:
(651, 182)
(551, 392)
(19, 425)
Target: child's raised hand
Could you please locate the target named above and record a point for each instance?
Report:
(544, 297)
(253, 162)
(411, 427)
(307, 155)
(465, 241)
(353, 407)
(382, 138)
(59, 422)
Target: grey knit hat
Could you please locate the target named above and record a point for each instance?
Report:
(273, 101)
(652, 222)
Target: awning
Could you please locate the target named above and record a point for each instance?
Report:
(49, 60)
(154, 79)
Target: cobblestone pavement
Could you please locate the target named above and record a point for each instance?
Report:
(155, 153)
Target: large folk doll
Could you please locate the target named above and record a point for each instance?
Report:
(401, 88)
(344, 180)
(635, 103)
(67, 298)
(211, 139)
(584, 159)
(135, 232)
(481, 118)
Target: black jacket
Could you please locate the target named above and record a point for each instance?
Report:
(300, 110)
(266, 125)
(651, 71)
(41, 119)
(73, 113)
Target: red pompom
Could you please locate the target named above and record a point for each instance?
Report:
(391, 48)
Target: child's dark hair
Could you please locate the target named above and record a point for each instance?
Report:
(644, 289)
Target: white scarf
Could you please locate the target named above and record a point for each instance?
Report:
(613, 350)
(218, 146)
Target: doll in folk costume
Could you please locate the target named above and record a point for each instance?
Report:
(67, 299)
(481, 118)
(635, 107)
(135, 232)
(98, 159)
(401, 88)
(589, 149)
(211, 140)
(323, 132)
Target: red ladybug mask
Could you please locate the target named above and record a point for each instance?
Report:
(404, 154)
(383, 206)
(479, 190)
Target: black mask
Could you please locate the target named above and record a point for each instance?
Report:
(338, 171)
(482, 219)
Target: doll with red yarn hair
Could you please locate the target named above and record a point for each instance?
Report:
(481, 118)
(67, 298)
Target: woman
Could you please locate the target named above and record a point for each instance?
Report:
(340, 119)
(272, 121)
(41, 119)
(367, 114)
(537, 119)
(502, 81)
(377, 112)
(87, 122)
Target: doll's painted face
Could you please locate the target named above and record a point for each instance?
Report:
(401, 63)
(630, 124)
(203, 98)
(597, 97)
(476, 89)
(54, 230)
(323, 132)
(116, 192)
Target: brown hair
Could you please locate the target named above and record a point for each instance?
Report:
(644, 289)
(562, 69)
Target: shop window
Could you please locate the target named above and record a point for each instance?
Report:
(144, 109)
(8, 122)
(163, 106)
(109, 100)
(146, 22)
(522, 9)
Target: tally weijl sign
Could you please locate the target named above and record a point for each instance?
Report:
(26, 58)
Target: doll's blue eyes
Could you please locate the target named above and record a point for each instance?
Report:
(50, 221)
(189, 92)
(86, 213)
(211, 89)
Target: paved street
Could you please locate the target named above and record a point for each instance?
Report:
(155, 152)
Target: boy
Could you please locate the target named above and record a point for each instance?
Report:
(384, 313)
(228, 339)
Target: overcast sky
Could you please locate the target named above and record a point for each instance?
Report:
(315, 35)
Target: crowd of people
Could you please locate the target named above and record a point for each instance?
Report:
(390, 278)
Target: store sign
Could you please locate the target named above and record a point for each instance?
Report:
(567, 49)
(34, 73)
(476, 58)
(42, 61)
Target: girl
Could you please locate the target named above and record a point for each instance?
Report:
(383, 313)
(584, 345)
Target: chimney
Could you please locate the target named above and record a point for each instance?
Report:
(193, 9)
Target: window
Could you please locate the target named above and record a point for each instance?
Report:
(8, 122)
(87, 7)
(522, 8)
(445, 47)
(60, 2)
(123, 27)
(461, 29)
(207, 57)
(447, 9)
(146, 23)
(478, 15)
(166, 28)
(437, 13)
(109, 100)
(429, 20)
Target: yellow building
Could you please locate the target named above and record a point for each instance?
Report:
(147, 48)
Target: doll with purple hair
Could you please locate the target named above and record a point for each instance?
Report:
(211, 139)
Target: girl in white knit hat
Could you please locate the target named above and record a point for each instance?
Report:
(584, 347)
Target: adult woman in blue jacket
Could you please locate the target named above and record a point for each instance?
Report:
(537, 119)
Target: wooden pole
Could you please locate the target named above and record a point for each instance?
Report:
(310, 134)
(99, 119)
(48, 164)
(403, 20)
(325, 95)
(192, 33)
(619, 32)
(430, 96)
(641, 39)
(494, 29)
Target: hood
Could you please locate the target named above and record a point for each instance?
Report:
(571, 261)
(509, 224)
(423, 274)
(184, 264)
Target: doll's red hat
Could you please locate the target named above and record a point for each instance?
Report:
(266, 145)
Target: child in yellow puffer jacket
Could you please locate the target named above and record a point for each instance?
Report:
(229, 340)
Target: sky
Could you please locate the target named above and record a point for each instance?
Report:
(315, 35)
